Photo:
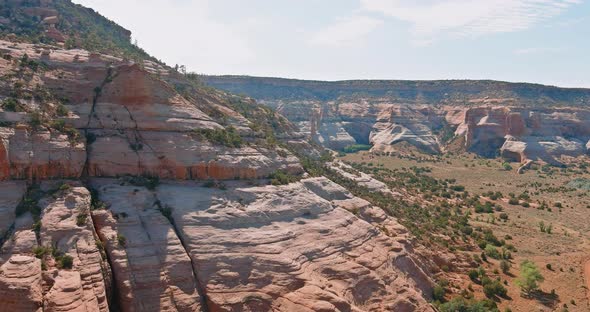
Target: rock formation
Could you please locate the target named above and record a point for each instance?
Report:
(126, 187)
(521, 122)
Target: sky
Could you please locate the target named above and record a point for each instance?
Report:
(541, 41)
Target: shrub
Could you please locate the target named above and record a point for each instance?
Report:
(506, 166)
(492, 252)
(513, 201)
(122, 240)
(530, 277)
(473, 275)
(228, 137)
(438, 293)
(493, 288)
(504, 216)
(356, 148)
(65, 262)
(464, 305)
(10, 105)
(505, 266)
(281, 178)
(81, 219)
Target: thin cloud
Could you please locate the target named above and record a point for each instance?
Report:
(346, 31)
(528, 51)
(433, 18)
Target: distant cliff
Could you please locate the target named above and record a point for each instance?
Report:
(519, 121)
(402, 91)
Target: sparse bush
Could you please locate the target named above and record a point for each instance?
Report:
(438, 293)
(122, 240)
(513, 201)
(282, 178)
(66, 262)
(505, 266)
(530, 276)
(81, 219)
(228, 137)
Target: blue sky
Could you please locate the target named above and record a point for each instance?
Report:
(543, 41)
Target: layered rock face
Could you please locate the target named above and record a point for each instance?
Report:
(518, 121)
(74, 123)
(50, 283)
(129, 122)
(292, 248)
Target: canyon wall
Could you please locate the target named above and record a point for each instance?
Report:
(124, 187)
(519, 121)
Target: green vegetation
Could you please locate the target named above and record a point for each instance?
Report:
(121, 240)
(438, 293)
(281, 178)
(505, 266)
(91, 31)
(227, 137)
(65, 262)
(493, 288)
(356, 148)
(81, 219)
(530, 277)
(460, 304)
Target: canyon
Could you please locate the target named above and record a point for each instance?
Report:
(521, 122)
(130, 185)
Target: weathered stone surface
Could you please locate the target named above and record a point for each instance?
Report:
(39, 155)
(287, 248)
(20, 284)
(66, 225)
(11, 193)
(152, 270)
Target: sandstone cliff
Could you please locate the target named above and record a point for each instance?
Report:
(518, 121)
(127, 186)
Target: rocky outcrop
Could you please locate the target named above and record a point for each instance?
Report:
(129, 121)
(20, 284)
(520, 121)
(64, 230)
(36, 155)
(291, 248)
(66, 225)
(152, 270)
(11, 193)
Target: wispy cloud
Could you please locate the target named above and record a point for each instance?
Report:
(528, 51)
(345, 31)
(435, 18)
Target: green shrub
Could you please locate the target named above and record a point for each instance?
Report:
(356, 148)
(513, 201)
(460, 304)
(282, 178)
(492, 252)
(122, 240)
(65, 262)
(530, 277)
(493, 288)
(438, 293)
(81, 219)
(227, 137)
(505, 266)
(10, 105)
